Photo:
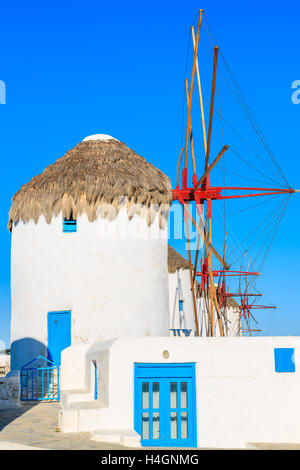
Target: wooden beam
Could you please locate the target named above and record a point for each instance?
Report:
(191, 132)
(178, 166)
(191, 89)
(203, 129)
(197, 256)
(200, 94)
(212, 101)
(191, 278)
(207, 243)
(211, 166)
(212, 289)
(218, 312)
(211, 277)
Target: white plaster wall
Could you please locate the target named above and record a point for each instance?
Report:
(4, 360)
(75, 377)
(10, 390)
(112, 275)
(240, 397)
(234, 321)
(180, 289)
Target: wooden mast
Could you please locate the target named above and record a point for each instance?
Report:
(190, 130)
(200, 92)
(204, 136)
(209, 254)
(187, 222)
(191, 90)
(212, 290)
(191, 277)
(204, 180)
(212, 101)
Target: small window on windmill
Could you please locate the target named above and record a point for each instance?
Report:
(70, 224)
(95, 380)
(180, 305)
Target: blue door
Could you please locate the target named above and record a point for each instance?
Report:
(59, 334)
(165, 405)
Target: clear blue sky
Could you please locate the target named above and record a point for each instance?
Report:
(77, 68)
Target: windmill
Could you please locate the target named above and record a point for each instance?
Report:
(199, 194)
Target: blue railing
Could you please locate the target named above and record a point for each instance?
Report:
(40, 383)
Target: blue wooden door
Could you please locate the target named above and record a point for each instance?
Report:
(165, 404)
(59, 334)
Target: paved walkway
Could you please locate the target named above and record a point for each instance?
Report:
(274, 446)
(36, 426)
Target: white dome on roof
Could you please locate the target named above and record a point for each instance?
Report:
(98, 137)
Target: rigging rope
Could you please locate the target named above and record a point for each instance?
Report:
(246, 107)
(235, 132)
(279, 219)
(249, 208)
(247, 177)
(269, 216)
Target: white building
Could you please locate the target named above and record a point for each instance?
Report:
(4, 364)
(89, 251)
(90, 291)
(184, 392)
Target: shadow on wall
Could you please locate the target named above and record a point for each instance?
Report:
(25, 350)
(22, 352)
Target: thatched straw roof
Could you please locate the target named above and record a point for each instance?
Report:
(98, 170)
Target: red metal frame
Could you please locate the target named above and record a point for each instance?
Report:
(208, 193)
(215, 193)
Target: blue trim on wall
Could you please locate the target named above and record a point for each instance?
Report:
(284, 359)
(95, 380)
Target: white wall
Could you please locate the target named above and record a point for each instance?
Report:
(114, 287)
(10, 390)
(4, 360)
(180, 289)
(240, 397)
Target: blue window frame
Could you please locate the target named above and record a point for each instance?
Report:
(165, 404)
(69, 225)
(95, 380)
(284, 359)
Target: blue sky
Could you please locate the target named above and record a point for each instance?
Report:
(77, 68)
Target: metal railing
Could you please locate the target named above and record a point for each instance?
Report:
(40, 383)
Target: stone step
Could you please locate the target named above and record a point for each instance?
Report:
(125, 437)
